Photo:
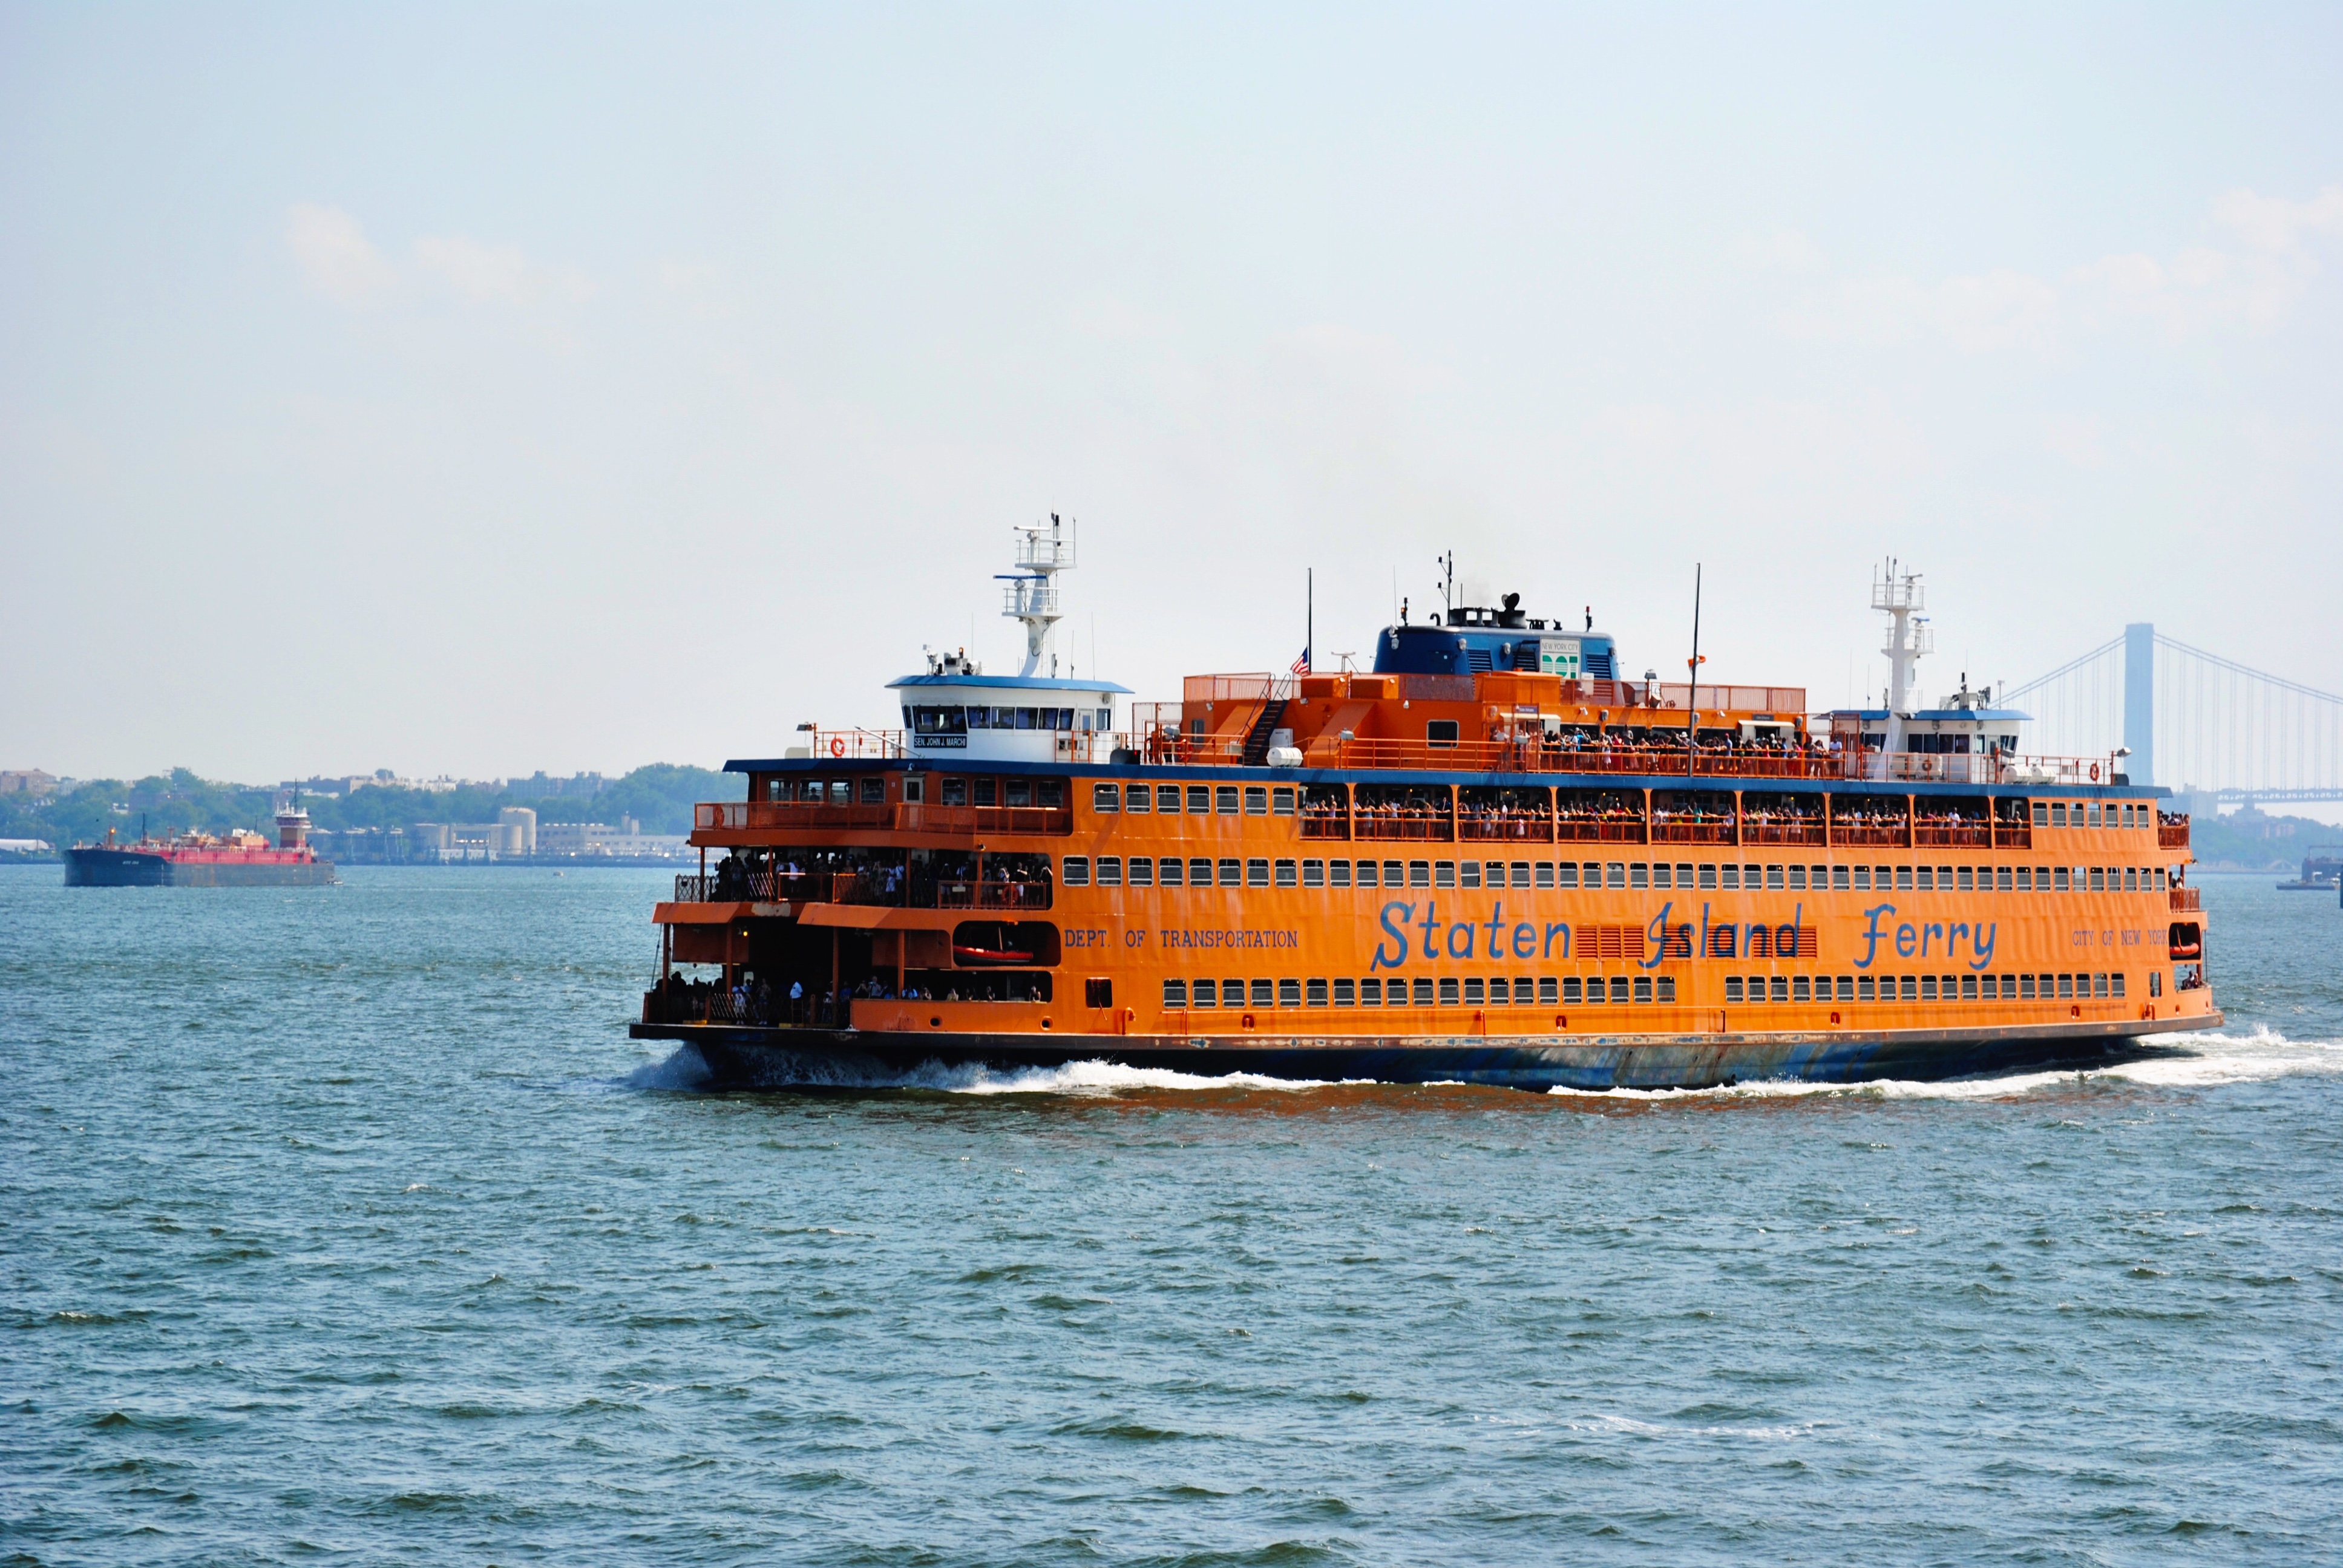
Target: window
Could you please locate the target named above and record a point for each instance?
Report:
(1708, 876)
(1472, 874)
(1619, 990)
(1346, 993)
(1204, 994)
(2041, 814)
(1142, 871)
(2001, 881)
(1098, 992)
(1233, 993)
(2066, 987)
(1839, 880)
(1106, 797)
(2099, 985)
(1732, 879)
(1175, 993)
(1256, 799)
(1867, 989)
(1316, 991)
(1371, 992)
(913, 786)
(1797, 878)
(1448, 997)
(1199, 800)
(1927, 875)
(1440, 732)
(1231, 874)
(1391, 874)
(1443, 875)
(1639, 875)
(1683, 875)
(1968, 988)
(1018, 792)
(1910, 989)
(1780, 988)
(1280, 800)
(1549, 994)
(1367, 877)
(1570, 996)
(1967, 880)
(1313, 873)
(2057, 813)
(2156, 983)
(1285, 874)
(2098, 880)
(1140, 797)
(1614, 875)
(1422, 993)
(1288, 993)
(983, 792)
(1903, 878)
(1928, 988)
(1110, 871)
(1733, 988)
(1475, 993)
(1172, 869)
(1419, 874)
(1660, 877)
(874, 791)
(1801, 989)
(1521, 874)
(1338, 873)
(1257, 872)
(1224, 799)
(1643, 987)
(1565, 875)
(2025, 988)
(1846, 988)
(1774, 878)
(1077, 872)
(1264, 993)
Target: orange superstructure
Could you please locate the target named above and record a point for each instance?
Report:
(1508, 875)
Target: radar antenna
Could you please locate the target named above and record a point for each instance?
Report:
(1043, 550)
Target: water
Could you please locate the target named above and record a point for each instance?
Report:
(347, 1224)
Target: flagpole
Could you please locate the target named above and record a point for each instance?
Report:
(1309, 616)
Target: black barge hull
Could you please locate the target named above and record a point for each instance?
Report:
(741, 1056)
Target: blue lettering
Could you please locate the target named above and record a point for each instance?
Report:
(1551, 932)
(1462, 930)
(1871, 935)
(1907, 941)
(1497, 931)
(1953, 937)
(1393, 952)
(1931, 929)
(1659, 934)
(1981, 938)
(1525, 940)
(1431, 924)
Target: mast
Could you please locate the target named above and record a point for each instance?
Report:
(1042, 552)
(1902, 597)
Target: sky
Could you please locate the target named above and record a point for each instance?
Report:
(486, 388)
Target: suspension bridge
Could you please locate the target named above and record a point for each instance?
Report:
(2194, 721)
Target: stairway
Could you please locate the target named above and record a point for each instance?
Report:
(1256, 746)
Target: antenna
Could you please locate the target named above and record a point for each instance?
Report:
(1042, 552)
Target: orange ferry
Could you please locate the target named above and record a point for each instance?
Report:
(1489, 858)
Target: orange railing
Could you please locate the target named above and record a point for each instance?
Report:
(1871, 835)
(2186, 901)
(993, 894)
(1322, 824)
(2172, 833)
(1370, 824)
(1600, 830)
(1667, 831)
(1952, 835)
(961, 820)
(1519, 828)
(1784, 833)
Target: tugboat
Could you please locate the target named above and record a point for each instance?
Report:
(1488, 859)
(240, 859)
(2321, 873)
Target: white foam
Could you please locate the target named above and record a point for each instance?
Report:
(2203, 1059)
(1083, 1077)
(684, 1070)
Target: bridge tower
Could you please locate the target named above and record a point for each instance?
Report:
(2139, 701)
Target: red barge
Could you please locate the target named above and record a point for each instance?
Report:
(240, 859)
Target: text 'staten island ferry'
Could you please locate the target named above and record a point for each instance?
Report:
(1490, 859)
(239, 859)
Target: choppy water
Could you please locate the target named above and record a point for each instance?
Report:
(347, 1224)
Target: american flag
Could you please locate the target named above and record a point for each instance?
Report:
(1301, 665)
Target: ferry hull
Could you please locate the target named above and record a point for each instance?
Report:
(752, 1058)
(102, 868)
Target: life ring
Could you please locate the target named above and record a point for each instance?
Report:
(838, 749)
(1248, 1020)
(2095, 772)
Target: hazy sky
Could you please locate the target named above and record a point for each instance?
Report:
(486, 388)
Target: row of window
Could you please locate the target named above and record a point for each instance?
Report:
(1622, 990)
(954, 720)
(1232, 871)
(1196, 799)
(2090, 814)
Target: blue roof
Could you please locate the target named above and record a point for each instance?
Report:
(1023, 682)
(1881, 714)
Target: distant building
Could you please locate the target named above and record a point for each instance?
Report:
(28, 781)
(540, 785)
(513, 836)
(597, 840)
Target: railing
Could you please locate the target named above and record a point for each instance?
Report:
(1784, 833)
(1952, 835)
(2172, 835)
(848, 744)
(1600, 830)
(1325, 826)
(1667, 831)
(2009, 834)
(737, 887)
(963, 821)
(1372, 825)
(968, 894)
(2186, 901)
(1505, 830)
(1871, 835)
